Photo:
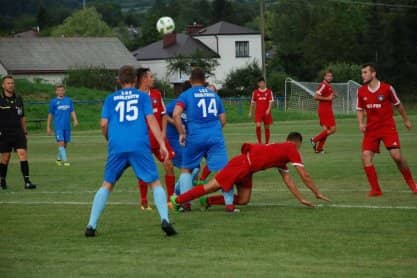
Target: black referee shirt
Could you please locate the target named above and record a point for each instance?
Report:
(11, 112)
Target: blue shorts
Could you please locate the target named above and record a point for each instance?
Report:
(142, 163)
(63, 135)
(178, 149)
(199, 146)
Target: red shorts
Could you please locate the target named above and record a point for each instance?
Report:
(157, 153)
(237, 171)
(372, 139)
(326, 118)
(263, 117)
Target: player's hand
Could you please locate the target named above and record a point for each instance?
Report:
(408, 124)
(322, 197)
(307, 203)
(76, 123)
(182, 139)
(362, 127)
(267, 112)
(49, 131)
(164, 152)
(249, 115)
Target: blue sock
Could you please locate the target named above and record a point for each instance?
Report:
(177, 188)
(228, 197)
(160, 199)
(58, 156)
(194, 173)
(63, 153)
(99, 203)
(186, 182)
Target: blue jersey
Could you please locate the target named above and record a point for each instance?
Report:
(126, 112)
(172, 132)
(61, 109)
(203, 108)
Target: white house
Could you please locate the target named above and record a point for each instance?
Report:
(232, 45)
(49, 59)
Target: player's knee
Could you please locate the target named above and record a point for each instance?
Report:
(242, 202)
(22, 154)
(5, 158)
(366, 158)
(332, 130)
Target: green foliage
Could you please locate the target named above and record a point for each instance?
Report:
(83, 23)
(342, 72)
(93, 78)
(242, 81)
(183, 65)
(276, 82)
(111, 13)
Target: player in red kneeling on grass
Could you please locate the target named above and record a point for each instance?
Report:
(261, 102)
(254, 158)
(375, 101)
(324, 95)
(145, 84)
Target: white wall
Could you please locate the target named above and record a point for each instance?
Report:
(3, 71)
(46, 78)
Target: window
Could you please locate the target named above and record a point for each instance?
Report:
(242, 48)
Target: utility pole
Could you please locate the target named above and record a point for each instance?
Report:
(83, 4)
(262, 26)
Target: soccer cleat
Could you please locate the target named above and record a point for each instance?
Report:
(145, 206)
(314, 144)
(173, 202)
(168, 228)
(320, 152)
(58, 163)
(185, 208)
(374, 193)
(232, 209)
(90, 232)
(30, 185)
(170, 206)
(204, 205)
(66, 163)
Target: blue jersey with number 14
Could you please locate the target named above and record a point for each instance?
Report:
(202, 107)
(126, 112)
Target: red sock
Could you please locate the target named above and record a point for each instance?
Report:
(258, 134)
(321, 145)
(267, 135)
(143, 188)
(372, 178)
(170, 185)
(409, 179)
(321, 136)
(205, 174)
(194, 193)
(219, 200)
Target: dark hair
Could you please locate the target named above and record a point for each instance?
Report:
(295, 136)
(6, 77)
(127, 74)
(59, 86)
(370, 65)
(327, 71)
(261, 79)
(141, 73)
(198, 75)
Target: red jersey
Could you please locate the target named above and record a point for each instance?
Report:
(378, 105)
(159, 111)
(325, 90)
(277, 155)
(262, 99)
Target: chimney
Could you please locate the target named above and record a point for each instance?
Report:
(169, 39)
(194, 28)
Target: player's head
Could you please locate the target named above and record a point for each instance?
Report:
(296, 138)
(127, 76)
(368, 73)
(198, 76)
(212, 87)
(261, 83)
(328, 75)
(145, 78)
(7, 83)
(59, 90)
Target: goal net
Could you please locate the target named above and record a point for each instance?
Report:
(299, 96)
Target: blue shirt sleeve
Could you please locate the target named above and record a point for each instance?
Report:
(146, 104)
(71, 105)
(106, 110)
(182, 100)
(51, 107)
(220, 109)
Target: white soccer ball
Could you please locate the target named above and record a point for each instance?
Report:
(165, 25)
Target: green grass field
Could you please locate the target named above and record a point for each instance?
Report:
(41, 231)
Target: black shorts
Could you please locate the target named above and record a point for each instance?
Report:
(12, 140)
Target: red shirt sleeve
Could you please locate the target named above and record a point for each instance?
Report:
(270, 96)
(254, 99)
(360, 105)
(295, 157)
(393, 96)
(320, 88)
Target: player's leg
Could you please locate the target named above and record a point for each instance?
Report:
(5, 158)
(24, 168)
(169, 171)
(367, 158)
(196, 192)
(267, 119)
(67, 139)
(143, 198)
(99, 203)
(402, 165)
(258, 131)
(62, 153)
(205, 173)
(329, 130)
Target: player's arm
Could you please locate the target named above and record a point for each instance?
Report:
(48, 124)
(270, 103)
(319, 97)
(104, 127)
(157, 133)
(286, 177)
(164, 125)
(178, 124)
(403, 113)
(74, 118)
(23, 124)
(222, 118)
(360, 115)
(308, 181)
(251, 106)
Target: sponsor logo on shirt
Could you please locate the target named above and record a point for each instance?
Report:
(373, 106)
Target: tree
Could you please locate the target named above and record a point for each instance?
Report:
(83, 23)
(241, 81)
(183, 65)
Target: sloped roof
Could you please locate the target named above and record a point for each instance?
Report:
(27, 55)
(185, 45)
(225, 28)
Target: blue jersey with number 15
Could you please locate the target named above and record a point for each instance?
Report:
(126, 112)
(202, 107)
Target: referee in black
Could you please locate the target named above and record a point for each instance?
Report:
(12, 132)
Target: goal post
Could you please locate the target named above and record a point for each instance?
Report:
(299, 96)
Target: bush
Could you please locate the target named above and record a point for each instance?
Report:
(276, 82)
(93, 78)
(343, 72)
(241, 82)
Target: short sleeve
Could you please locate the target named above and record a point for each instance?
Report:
(106, 110)
(320, 89)
(393, 96)
(182, 101)
(360, 105)
(220, 108)
(270, 96)
(146, 104)
(163, 107)
(20, 100)
(295, 157)
(51, 107)
(253, 99)
(71, 105)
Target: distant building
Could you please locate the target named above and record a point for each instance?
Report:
(232, 45)
(50, 58)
